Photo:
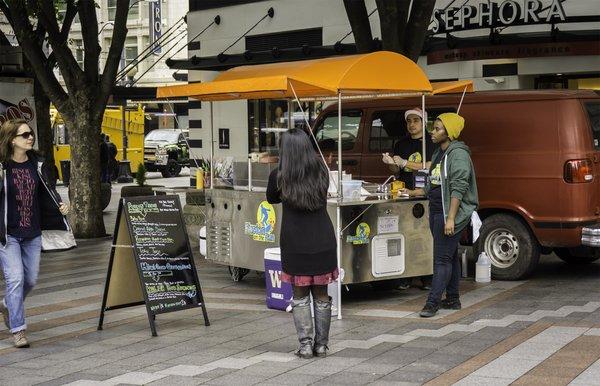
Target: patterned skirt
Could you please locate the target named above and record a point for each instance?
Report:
(306, 280)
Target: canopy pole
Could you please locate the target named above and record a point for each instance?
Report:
(339, 210)
(423, 139)
(461, 100)
(212, 147)
(310, 130)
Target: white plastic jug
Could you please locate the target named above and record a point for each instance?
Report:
(483, 269)
(202, 240)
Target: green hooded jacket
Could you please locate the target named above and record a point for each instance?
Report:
(458, 180)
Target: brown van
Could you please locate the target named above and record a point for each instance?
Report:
(536, 156)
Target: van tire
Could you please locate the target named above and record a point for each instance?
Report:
(172, 169)
(510, 245)
(578, 256)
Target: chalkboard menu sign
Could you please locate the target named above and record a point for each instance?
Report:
(151, 261)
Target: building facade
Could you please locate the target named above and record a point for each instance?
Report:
(499, 44)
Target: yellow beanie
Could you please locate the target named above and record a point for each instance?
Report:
(453, 123)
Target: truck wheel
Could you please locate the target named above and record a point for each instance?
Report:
(510, 245)
(237, 273)
(172, 169)
(578, 256)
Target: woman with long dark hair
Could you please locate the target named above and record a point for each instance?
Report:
(308, 244)
(28, 204)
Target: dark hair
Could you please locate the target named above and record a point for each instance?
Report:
(8, 132)
(303, 178)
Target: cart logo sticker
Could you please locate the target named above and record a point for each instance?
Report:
(264, 228)
(363, 231)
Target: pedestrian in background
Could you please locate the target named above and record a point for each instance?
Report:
(29, 203)
(452, 193)
(104, 159)
(308, 244)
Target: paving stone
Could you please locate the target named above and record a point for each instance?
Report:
(408, 376)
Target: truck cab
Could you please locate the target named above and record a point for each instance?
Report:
(166, 151)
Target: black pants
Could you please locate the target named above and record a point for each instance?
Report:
(446, 265)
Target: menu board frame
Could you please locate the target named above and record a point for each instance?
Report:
(124, 286)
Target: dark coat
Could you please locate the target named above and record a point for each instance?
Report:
(50, 216)
(308, 245)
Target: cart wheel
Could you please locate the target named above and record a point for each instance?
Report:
(237, 273)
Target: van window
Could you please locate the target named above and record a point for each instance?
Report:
(327, 131)
(593, 110)
(386, 128)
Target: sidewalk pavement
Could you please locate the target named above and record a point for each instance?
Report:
(545, 330)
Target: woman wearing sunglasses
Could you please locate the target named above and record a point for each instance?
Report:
(28, 204)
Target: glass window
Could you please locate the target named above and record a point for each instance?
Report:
(327, 131)
(133, 14)
(593, 110)
(386, 128)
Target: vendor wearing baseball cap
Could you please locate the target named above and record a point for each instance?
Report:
(408, 159)
(407, 155)
(452, 193)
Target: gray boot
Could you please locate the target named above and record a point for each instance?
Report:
(304, 326)
(322, 323)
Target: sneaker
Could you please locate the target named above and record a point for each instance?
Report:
(451, 304)
(20, 339)
(4, 312)
(429, 310)
(404, 284)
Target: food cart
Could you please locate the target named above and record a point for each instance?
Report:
(380, 236)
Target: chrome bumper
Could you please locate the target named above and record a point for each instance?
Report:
(590, 236)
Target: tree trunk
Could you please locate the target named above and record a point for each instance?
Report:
(392, 17)
(86, 203)
(359, 22)
(416, 30)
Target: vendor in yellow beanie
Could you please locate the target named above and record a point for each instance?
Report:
(453, 123)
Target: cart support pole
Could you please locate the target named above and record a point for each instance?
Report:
(424, 140)
(338, 210)
(212, 147)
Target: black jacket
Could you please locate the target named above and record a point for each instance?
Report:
(308, 245)
(50, 216)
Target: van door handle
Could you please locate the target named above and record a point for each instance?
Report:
(349, 162)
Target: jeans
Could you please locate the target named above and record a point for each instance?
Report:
(21, 264)
(446, 265)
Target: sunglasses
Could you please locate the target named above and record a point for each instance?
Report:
(26, 135)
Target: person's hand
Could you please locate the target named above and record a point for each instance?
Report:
(387, 159)
(63, 208)
(449, 227)
(401, 162)
(407, 192)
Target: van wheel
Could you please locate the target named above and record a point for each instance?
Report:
(172, 169)
(510, 245)
(578, 256)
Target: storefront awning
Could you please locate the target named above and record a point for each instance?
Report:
(377, 73)
(452, 87)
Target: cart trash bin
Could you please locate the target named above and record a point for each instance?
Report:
(279, 294)
(65, 169)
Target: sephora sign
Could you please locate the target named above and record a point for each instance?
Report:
(497, 14)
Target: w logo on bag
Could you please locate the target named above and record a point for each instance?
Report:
(275, 278)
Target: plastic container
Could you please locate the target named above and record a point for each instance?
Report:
(279, 294)
(483, 269)
(351, 188)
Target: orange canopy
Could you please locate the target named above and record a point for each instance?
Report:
(380, 72)
(452, 87)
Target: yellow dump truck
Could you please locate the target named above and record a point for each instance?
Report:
(111, 126)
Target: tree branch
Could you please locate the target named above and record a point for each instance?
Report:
(359, 22)
(114, 54)
(89, 32)
(416, 31)
(17, 13)
(67, 64)
(69, 17)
